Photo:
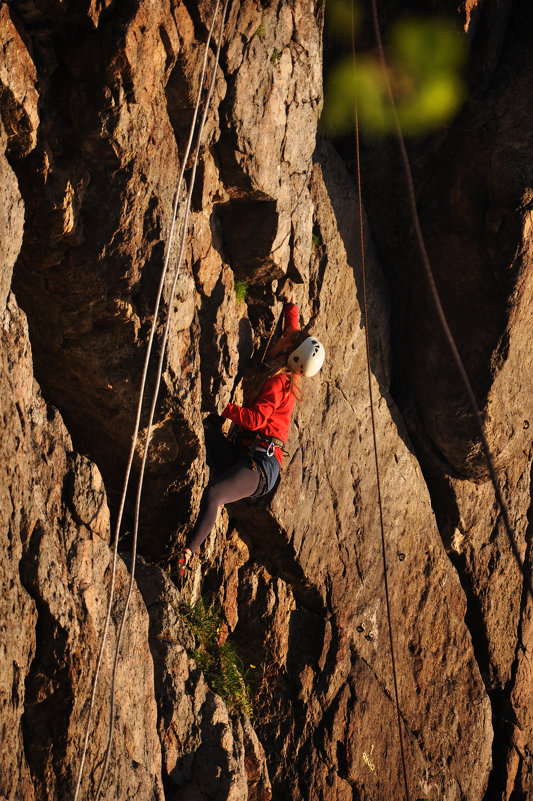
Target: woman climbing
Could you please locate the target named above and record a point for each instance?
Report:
(251, 467)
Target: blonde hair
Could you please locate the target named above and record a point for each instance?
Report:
(278, 366)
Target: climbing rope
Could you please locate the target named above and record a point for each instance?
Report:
(273, 329)
(374, 438)
(440, 311)
(155, 397)
(139, 407)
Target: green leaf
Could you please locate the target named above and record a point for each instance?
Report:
(424, 64)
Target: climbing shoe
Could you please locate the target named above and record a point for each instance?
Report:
(183, 561)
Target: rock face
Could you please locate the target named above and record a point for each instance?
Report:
(206, 752)
(335, 650)
(116, 99)
(477, 180)
(55, 566)
(96, 102)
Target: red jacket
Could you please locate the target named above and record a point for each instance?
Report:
(291, 324)
(270, 414)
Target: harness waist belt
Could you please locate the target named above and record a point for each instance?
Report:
(264, 442)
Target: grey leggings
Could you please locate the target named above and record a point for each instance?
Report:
(234, 483)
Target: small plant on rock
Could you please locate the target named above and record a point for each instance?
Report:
(275, 57)
(241, 290)
(120, 538)
(216, 656)
(260, 32)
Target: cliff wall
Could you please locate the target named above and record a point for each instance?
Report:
(96, 100)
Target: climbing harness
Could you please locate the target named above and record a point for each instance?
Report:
(270, 445)
(268, 469)
(440, 311)
(374, 438)
(183, 233)
(261, 443)
(250, 447)
(262, 479)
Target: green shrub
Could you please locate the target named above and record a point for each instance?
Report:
(275, 57)
(241, 290)
(425, 65)
(221, 665)
(260, 32)
(120, 538)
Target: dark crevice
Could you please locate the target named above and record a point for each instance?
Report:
(504, 717)
(201, 28)
(503, 722)
(474, 619)
(249, 228)
(181, 91)
(48, 687)
(319, 264)
(257, 526)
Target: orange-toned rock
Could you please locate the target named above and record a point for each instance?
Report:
(96, 102)
(18, 88)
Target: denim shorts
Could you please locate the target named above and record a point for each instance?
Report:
(270, 469)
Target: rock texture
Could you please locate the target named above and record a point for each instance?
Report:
(96, 101)
(477, 179)
(56, 565)
(116, 98)
(336, 648)
(55, 569)
(206, 752)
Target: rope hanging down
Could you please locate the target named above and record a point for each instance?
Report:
(156, 394)
(182, 238)
(374, 439)
(273, 330)
(440, 311)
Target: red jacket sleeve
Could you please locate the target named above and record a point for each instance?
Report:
(255, 416)
(291, 317)
(290, 324)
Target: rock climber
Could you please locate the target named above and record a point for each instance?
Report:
(250, 464)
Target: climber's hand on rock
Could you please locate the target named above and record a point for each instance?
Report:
(285, 292)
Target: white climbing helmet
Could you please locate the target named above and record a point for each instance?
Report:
(308, 357)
